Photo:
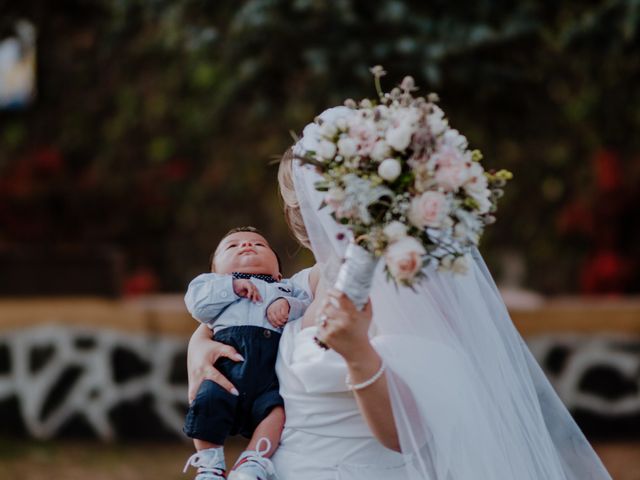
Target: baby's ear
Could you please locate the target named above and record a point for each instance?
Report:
(279, 277)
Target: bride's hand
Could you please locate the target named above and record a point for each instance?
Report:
(342, 327)
(202, 355)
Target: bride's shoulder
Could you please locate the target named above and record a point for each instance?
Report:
(314, 277)
(307, 279)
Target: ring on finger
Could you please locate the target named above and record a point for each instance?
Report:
(322, 320)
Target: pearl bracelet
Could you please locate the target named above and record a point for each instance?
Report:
(366, 383)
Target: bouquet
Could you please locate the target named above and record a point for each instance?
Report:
(403, 182)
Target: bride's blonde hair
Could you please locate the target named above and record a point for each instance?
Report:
(292, 213)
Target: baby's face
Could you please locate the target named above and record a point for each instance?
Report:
(245, 252)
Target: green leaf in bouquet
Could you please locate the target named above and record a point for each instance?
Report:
(470, 203)
(476, 155)
(504, 175)
(404, 181)
(322, 185)
(309, 158)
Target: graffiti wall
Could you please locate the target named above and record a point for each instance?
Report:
(70, 380)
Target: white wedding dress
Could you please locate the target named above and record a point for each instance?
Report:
(469, 400)
(325, 436)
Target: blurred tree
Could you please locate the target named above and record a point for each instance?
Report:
(155, 120)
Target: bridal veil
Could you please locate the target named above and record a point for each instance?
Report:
(469, 400)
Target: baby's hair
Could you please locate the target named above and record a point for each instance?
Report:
(250, 229)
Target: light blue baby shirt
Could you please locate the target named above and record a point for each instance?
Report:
(210, 299)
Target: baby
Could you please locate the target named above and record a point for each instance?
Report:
(246, 303)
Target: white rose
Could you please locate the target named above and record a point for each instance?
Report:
(380, 151)
(399, 137)
(477, 188)
(407, 116)
(326, 149)
(455, 139)
(334, 197)
(477, 179)
(309, 141)
(333, 114)
(341, 124)
(404, 258)
(437, 123)
(428, 210)
(395, 230)
(313, 133)
(382, 112)
(460, 231)
(347, 147)
(447, 223)
(389, 169)
(459, 265)
(328, 130)
(446, 262)
(483, 201)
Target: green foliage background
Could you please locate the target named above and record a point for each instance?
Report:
(155, 120)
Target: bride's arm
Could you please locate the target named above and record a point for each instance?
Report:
(374, 401)
(202, 353)
(347, 332)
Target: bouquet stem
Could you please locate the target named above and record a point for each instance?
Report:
(356, 274)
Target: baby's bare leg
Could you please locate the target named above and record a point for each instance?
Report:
(271, 428)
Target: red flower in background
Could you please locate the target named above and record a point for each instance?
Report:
(176, 170)
(17, 182)
(140, 282)
(605, 272)
(576, 217)
(48, 160)
(597, 218)
(607, 170)
(21, 179)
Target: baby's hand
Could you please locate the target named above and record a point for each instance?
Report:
(278, 313)
(244, 287)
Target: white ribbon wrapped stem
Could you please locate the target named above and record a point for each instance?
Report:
(356, 274)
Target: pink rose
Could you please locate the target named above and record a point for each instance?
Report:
(428, 210)
(451, 178)
(365, 136)
(404, 258)
(448, 156)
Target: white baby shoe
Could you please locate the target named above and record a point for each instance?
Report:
(209, 462)
(253, 465)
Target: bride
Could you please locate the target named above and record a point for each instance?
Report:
(431, 383)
